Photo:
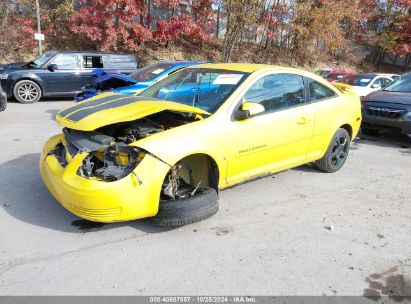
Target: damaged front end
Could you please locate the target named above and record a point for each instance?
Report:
(111, 153)
(104, 80)
(107, 159)
(97, 169)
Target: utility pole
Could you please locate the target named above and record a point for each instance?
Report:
(38, 26)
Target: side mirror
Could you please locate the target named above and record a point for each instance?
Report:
(376, 86)
(52, 67)
(248, 109)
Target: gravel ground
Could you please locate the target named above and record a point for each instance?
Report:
(298, 232)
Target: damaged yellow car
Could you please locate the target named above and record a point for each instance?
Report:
(166, 153)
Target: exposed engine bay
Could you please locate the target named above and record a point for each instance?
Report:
(110, 156)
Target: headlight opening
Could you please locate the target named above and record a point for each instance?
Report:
(114, 163)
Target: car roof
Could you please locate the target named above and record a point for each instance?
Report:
(180, 61)
(375, 74)
(340, 71)
(244, 67)
(174, 63)
(89, 52)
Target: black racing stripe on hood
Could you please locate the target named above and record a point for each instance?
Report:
(110, 105)
(91, 103)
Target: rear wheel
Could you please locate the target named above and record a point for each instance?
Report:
(337, 152)
(27, 91)
(182, 211)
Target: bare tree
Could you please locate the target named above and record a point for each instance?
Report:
(240, 14)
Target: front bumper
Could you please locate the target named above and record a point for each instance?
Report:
(7, 86)
(133, 197)
(403, 123)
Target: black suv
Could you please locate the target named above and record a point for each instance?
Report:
(59, 73)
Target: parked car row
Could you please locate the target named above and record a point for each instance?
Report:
(386, 98)
(364, 84)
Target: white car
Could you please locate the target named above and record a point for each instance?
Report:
(364, 84)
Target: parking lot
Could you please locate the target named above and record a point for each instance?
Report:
(299, 232)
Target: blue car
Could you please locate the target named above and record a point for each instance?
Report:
(109, 80)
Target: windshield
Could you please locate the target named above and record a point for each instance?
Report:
(322, 73)
(401, 84)
(150, 71)
(357, 80)
(206, 89)
(39, 61)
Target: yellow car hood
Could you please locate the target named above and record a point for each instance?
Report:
(109, 108)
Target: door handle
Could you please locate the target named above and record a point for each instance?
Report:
(303, 120)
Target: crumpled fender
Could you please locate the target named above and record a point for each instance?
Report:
(172, 145)
(116, 77)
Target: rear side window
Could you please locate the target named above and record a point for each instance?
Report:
(92, 62)
(66, 61)
(277, 92)
(319, 91)
(123, 62)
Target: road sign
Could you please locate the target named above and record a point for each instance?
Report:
(38, 36)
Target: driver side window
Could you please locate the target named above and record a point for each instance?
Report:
(277, 92)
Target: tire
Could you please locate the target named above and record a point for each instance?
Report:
(180, 212)
(370, 131)
(337, 152)
(27, 91)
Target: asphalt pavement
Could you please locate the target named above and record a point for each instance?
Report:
(298, 232)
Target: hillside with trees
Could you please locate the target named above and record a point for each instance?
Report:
(297, 32)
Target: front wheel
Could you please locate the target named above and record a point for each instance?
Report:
(337, 152)
(179, 212)
(27, 91)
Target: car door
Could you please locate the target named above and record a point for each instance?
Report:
(188, 87)
(90, 62)
(276, 139)
(66, 79)
(376, 84)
